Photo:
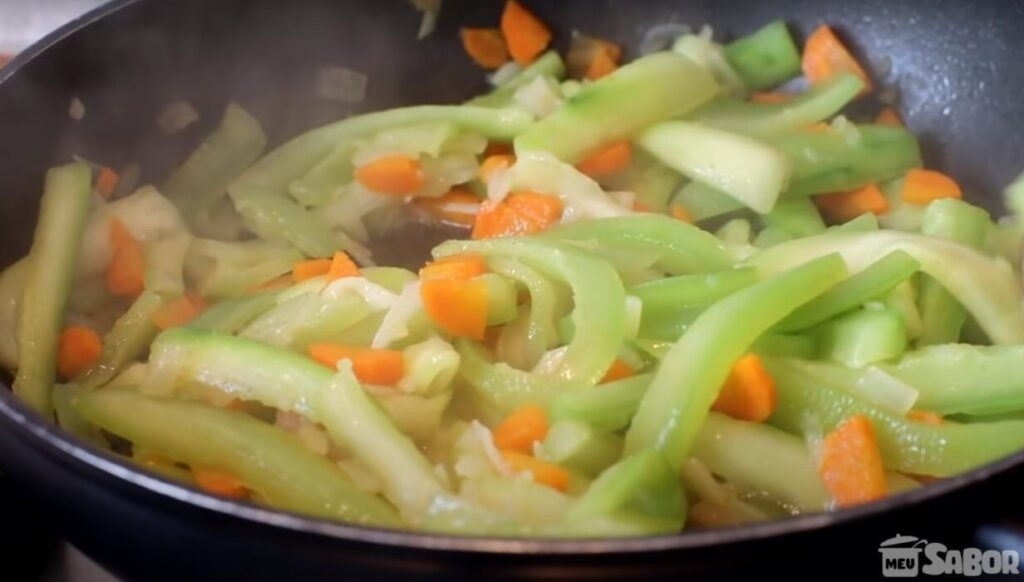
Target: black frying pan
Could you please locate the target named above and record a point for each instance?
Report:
(956, 64)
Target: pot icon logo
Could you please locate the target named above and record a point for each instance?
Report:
(901, 556)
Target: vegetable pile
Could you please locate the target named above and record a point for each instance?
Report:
(683, 297)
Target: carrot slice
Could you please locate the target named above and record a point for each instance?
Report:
(275, 284)
(608, 160)
(605, 63)
(457, 306)
(463, 267)
(486, 46)
(681, 213)
(843, 206)
(769, 97)
(219, 483)
(342, 266)
(397, 175)
(925, 416)
(923, 186)
(306, 270)
(125, 274)
(495, 163)
(370, 365)
(78, 349)
(542, 472)
(851, 463)
(178, 312)
(748, 392)
(619, 370)
(825, 56)
(888, 116)
(526, 35)
(106, 182)
(521, 429)
(520, 212)
(453, 207)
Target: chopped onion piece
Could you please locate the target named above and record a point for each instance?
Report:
(887, 391)
(541, 97)
(341, 84)
(394, 326)
(177, 117)
(504, 73)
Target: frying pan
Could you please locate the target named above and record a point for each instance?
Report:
(956, 65)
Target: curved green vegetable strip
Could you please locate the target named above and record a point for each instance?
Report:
(503, 387)
(863, 337)
(688, 380)
(309, 318)
(912, 447)
(609, 408)
(223, 156)
(765, 57)
(761, 458)
(549, 64)
(266, 459)
(599, 313)
(795, 217)
(750, 171)
(871, 283)
(272, 216)
(664, 297)
(12, 284)
(987, 287)
(965, 379)
(63, 212)
(164, 264)
(541, 333)
(682, 248)
(767, 119)
(126, 342)
(650, 89)
(232, 315)
(184, 358)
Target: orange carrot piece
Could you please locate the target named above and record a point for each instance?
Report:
(521, 429)
(373, 366)
(396, 175)
(641, 206)
(441, 208)
(306, 270)
(178, 312)
(457, 306)
(342, 266)
(543, 472)
(495, 163)
(78, 349)
(525, 34)
(604, 63)
(923, 186)
(619, 370)
(462, 267)
(486, 46)
(769, 97)
(125, 274)
(680, 213)
(748, 393)
(843, 206)
(825, 56)
(925, 416)
(219, 483)
(888, 116)
(519, 213)
(275, 284)
(106, 182)
(851, 463)
(608, 160)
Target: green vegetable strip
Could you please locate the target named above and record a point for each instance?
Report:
(272, 216)
(271, 462)
(549, 64)
(324, 179)
(164, 262)
(665, 297)
(610, 408)
(63, 212)
(249, 370)
(688, 380)
(987, 287)
(502, 387)
(767, 119)
(703, 201)
(750, 171)
(126, 342)
(682, 248)
(943, 317)
(223, 156)
(306, 319)
(541, 332)
(912, 447)
(12, 285)
(965, 379)
(871, 283)
(599, 298)
(580, 447)
(797, 217)
(761, 458)
(864, 337)
(766, 57)
(650, 89)
(232, 315)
